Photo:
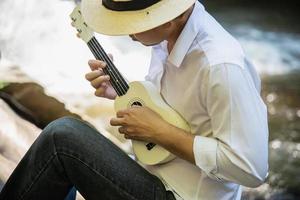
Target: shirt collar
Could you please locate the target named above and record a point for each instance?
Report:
(187, 35)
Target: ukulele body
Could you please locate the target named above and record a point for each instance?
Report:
(144, 93)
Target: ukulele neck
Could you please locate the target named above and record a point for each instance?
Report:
(116, 79)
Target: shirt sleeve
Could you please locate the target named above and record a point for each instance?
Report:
(237, 151)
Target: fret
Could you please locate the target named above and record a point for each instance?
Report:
(116, 79)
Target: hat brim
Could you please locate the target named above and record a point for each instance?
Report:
(108, 22)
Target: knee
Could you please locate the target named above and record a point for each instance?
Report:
(46, 142)
(62, 123)
(63, 126)
(60, 134)
(68, 130)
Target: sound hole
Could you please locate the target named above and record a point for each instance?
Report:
(136, 103)
(150, 146)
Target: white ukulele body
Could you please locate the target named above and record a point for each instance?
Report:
(144, 93)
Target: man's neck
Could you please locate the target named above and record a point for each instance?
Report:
(178, 29)
(173, 38)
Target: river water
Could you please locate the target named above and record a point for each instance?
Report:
(36, 36)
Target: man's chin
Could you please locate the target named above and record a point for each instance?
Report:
(149, 44)
(143, 43)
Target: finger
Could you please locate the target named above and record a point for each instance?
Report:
(104, 84)
(127, 136)
(93, 74)
(100, 92)
(121, 113)
(122, 130)
(131, 137)
(96, 83)
(96, 64)
(117, 122)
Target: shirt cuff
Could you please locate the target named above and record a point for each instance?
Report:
(205, 153)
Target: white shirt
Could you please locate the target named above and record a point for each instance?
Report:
(210, 82)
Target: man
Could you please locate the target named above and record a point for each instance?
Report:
(202, 72)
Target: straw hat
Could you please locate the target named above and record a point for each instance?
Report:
(124, 17)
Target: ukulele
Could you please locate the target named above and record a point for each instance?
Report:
(137, 93)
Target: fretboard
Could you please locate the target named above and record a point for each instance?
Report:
(116, 79)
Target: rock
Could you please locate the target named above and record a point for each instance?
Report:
(29, 99)
(43, 107)
(16, 135)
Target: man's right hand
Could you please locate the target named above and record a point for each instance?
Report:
(99, 80)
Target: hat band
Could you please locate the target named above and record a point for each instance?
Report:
(128, 5)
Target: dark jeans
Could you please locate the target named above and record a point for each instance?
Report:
(70, 153)
(71, 195)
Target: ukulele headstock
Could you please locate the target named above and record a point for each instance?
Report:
(84, 31)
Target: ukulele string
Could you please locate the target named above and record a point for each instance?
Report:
(110, 63)
(120, 88)
(99, 57)
(118, 82)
